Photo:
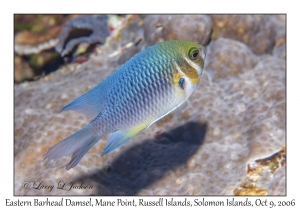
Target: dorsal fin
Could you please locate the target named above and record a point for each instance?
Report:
(90, 103)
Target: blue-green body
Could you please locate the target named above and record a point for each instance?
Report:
(141, 91)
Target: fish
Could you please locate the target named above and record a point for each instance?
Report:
(147, 87)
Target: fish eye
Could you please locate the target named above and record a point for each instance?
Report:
(194, 54)
(181, 82)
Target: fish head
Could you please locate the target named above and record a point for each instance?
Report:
(189, 64)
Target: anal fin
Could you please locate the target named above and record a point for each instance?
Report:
(121, 137)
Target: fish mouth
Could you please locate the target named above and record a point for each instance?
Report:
(203, 52)
(201, 71)
(202, 49)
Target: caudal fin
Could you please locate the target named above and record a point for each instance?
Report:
(77, 145)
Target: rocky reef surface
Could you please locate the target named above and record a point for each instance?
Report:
(227, 139)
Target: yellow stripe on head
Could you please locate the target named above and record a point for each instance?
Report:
(187, 68)
(191, 70)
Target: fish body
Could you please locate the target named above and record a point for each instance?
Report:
(144, 89)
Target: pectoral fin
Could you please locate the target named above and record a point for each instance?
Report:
(121, 137)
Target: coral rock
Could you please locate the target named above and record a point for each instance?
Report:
(220, 63)
(31, 43)
(243, 115)
(195, 28)
(90, 29)
(259, 32)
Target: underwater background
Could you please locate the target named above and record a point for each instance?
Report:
(227, 139)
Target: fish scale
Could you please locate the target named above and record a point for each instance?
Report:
(143, 90)
(139, 88)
